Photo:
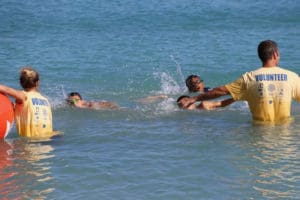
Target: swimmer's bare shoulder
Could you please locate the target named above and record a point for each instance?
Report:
(104, 105)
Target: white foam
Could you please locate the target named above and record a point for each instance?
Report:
(168, 84)
(239, 105)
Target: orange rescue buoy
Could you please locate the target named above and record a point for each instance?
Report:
(6, 116)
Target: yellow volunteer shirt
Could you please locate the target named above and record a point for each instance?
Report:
(34, 117)
(268, 91)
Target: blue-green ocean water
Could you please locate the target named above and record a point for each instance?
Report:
(122, 51)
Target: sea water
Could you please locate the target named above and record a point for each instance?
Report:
(123, 51)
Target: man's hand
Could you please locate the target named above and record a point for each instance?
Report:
(187, 102)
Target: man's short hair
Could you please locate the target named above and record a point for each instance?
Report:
(266, 50)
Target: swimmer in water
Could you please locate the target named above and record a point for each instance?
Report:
(193, 82)
(206, 105)
(75, 99)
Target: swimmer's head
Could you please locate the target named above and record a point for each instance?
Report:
(180, 103)
(28, 78)
(194, 83)
(180, 99)
(73, 98)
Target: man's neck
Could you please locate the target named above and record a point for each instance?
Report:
(270, 64)
(34, 89)
(273, 62)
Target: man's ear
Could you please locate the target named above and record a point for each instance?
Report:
(276, 55)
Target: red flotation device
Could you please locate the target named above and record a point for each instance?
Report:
(6, 116)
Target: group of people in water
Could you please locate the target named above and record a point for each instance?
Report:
(193, 83)
(269, 91)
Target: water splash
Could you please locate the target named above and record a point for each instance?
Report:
(57, 96)
(178, 69)
(169, 84)
(166, 107)
(63, 91)
(239, 105)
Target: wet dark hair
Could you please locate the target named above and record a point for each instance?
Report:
(181, 97)
(266, 49)
(71, 94)
(28, 77)
(189, 82)
(72, 101)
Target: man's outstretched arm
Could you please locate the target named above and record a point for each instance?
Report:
(212, 94)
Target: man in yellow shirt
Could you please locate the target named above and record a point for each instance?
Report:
(269, 90)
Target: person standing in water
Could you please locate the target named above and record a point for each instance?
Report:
(33, 113)
(269, 90)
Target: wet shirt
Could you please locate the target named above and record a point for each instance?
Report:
(34, 116)
(268, 91)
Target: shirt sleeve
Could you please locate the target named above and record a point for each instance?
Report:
(296, 89)
(237, 89)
